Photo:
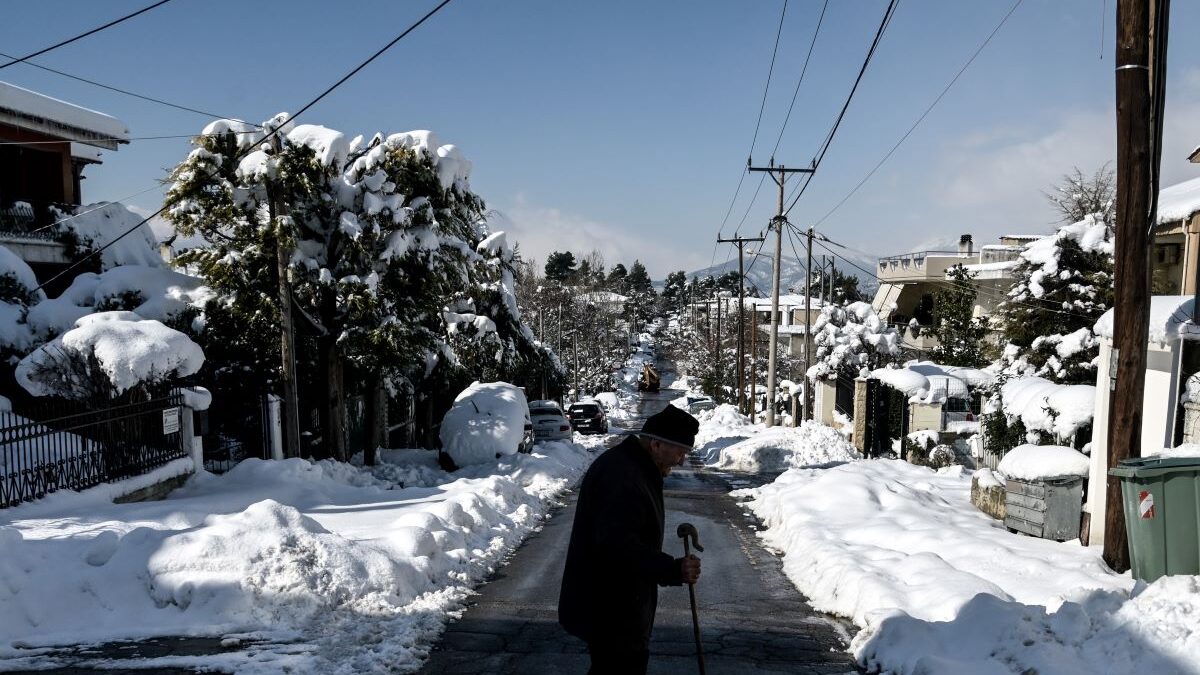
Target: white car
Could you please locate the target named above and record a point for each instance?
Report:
(487, 421)
(549, 423)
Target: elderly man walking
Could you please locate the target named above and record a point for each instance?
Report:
(615, 559)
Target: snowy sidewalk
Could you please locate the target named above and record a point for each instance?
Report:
(940, 588)
(321, 567)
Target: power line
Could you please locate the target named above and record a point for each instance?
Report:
(925, 114)
(960, 285)
(83, 35)
(770, 72)
(270, 133)
(116, 89)
(883, 24)
(803, 70)
(117, 138)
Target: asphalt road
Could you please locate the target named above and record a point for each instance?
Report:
(752, 620)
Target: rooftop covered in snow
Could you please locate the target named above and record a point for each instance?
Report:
(29, 110)
(1179, 202)
(1170, 320)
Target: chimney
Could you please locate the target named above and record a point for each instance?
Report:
(965, 245)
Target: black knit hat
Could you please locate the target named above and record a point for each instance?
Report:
(672, 425)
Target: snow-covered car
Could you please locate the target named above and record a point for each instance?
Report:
(588, 417)
(487, 421)
(549, 422)
(696, 404)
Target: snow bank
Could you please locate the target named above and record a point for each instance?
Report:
(812, 444)
(940, 588)
(486, 422)
(1038, 462)
(351, 569)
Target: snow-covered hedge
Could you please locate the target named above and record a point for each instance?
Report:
(1059, 410)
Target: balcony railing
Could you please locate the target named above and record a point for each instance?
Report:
(30, 218)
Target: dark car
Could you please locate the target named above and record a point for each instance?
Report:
(587, 417)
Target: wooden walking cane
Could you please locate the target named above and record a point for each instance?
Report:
(684, 532)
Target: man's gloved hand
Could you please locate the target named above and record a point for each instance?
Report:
(689, 568)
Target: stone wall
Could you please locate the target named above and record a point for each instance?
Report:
(990, 500)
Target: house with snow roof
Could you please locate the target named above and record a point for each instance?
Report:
(1176, 251)
(908, 283)
(45, 147)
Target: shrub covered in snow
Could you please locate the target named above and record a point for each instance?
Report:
(851, 338)
(107, 354)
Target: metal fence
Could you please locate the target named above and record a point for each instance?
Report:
(233, 431)
(64, 445)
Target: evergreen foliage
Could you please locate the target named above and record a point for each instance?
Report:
(959, 333)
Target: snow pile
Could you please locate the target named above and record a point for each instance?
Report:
(129, 350)
(1170, 320)
(720, 428)
(487, 421)
(940, 588)
(1041, 405)
(780, 448)
(1039, 462)
(341, 569)
(1185, 450)
(986, 478)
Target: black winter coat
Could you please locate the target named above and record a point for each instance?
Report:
(615, 558)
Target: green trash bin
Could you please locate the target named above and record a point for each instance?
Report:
(1161, 497)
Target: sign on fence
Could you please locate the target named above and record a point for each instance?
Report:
(170, 419)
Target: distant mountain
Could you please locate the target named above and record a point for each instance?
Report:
(791, 274)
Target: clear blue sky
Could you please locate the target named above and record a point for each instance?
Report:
(622, 125)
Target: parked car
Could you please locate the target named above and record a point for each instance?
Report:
(487, 421)
(549, 422)
(957, 410)
(588, 417)
(696, 404)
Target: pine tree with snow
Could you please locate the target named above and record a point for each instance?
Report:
(1063, 285)
(960, 335)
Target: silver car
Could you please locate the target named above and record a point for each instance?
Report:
(549, 423)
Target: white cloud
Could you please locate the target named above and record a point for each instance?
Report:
(541, 230)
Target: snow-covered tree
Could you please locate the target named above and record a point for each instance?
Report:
(959, 333)
(381, 239)
(850, 338)
(1063, 285)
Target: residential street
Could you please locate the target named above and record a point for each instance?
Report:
(752, 618)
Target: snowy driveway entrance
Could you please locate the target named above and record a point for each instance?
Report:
(752, 618)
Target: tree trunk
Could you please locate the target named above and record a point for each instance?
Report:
(377, 421)
(335, 400)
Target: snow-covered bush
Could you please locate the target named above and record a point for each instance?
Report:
(851, 338)
(106, 355)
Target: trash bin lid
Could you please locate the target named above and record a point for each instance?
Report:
(1145, 467)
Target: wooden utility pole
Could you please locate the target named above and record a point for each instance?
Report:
(1131, 279)
(740, 242)
(717, 350)
(754, 363)
(278, 211)
(778, 174)
(807, 327)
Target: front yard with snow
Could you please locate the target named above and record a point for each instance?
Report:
(936, 586)
(331, 567)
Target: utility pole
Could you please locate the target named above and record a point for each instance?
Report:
(719, 368)
(575, 361)
(807, 327)
(1135, 90)
(754, 363)
(740, 242)
(287, 341)
(778, 174)
(832, 274)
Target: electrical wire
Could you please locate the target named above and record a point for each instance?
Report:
(803, 70)
(816, 162)
(770, 72)
(925, 114)
(93, 31)
(117, 89)
(117, 139)
(270, 133)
